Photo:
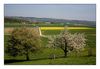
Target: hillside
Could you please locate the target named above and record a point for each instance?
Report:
(15, 19)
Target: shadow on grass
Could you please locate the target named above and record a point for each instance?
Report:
(15, 60)
(37, 59)
(12, 61)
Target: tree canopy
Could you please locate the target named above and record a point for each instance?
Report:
(68, 41)
(22, 41)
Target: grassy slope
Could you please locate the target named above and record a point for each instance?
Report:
(41, 25)
(43, 57)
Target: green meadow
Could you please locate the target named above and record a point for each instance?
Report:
(44, 56)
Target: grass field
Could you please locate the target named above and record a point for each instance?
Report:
(42, 25)
(44, 56)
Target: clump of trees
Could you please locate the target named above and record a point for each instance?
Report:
(68, 42)
(22, 41)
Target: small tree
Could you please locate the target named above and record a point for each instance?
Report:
(68, 42)
(22, 41)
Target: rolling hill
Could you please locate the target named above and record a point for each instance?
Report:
(15, 19)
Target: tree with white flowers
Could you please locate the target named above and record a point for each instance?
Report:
(68, 42)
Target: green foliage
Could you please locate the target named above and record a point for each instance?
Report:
(22, 41)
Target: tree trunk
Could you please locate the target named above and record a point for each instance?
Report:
(65, 50)
(65, 53)
(27, 56)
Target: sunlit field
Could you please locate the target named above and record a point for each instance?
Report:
(62, 28)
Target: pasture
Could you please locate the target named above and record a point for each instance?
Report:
(44, 57)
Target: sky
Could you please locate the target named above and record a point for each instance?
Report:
(59, 11)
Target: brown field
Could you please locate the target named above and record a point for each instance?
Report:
(8, 31)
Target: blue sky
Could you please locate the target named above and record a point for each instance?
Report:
(59, 11)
